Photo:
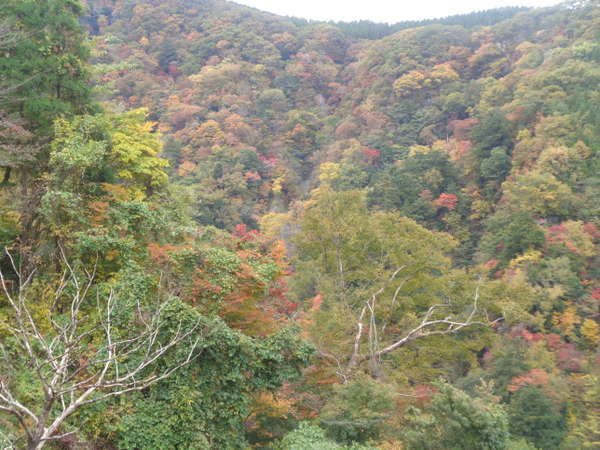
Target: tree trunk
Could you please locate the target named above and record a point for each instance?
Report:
(35, 443)
(6, 178)
(31, 196)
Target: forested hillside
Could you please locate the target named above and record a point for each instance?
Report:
(224, 229)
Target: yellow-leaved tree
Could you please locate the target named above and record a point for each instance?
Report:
(134, 149)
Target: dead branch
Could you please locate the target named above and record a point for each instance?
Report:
(71, 374)
(429, 326)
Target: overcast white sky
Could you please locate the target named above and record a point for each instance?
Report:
(382, 10)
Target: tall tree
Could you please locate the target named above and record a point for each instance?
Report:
(47, 68)
(383, 282)
(455, 420)
(48, 62)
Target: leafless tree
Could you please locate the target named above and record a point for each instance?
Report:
(76, 359)
(432, 323)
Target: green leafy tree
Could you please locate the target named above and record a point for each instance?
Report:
(210, 399)
(497, 166)
(48, 63)
(45, 69)
(455, 420)
(510, 234)
(541, 194)
(103, 170)
(537, 418)
(493, 130)
(586, 431)
(359, 411)
(384, 281)
(311, 437)
(410, 185)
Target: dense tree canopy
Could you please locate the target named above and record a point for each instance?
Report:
(221, 228)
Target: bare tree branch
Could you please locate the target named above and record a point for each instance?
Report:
(71, 374)
(429, 326)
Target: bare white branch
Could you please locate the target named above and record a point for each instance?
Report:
(71, 374)
(428, 326)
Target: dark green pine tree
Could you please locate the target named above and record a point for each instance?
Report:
(45, 71)
(46, 67)
(535, 417)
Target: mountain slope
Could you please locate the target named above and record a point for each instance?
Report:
(489, 133)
